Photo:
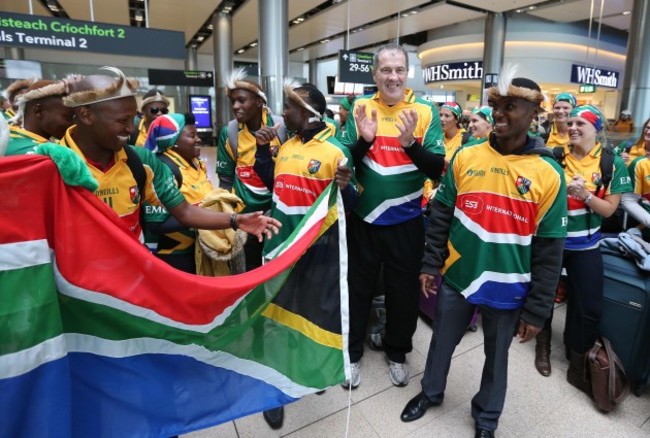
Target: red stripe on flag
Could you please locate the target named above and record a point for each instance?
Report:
(499, 214)
(95, 251)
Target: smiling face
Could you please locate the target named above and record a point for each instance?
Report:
(561, 111)
(512, 116)
(581, 133)
(245, 105)
(111, 122)
(478, 126)
(390, 76)
(188, 143)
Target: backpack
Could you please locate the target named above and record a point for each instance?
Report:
(134, 135)
(173, 166)
(233, 133)
(136, 167)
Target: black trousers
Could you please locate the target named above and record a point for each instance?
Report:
(453, 314)
(182, 262)
(399, 248)
(584, 298)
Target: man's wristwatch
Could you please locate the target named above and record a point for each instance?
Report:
(410, 143)
(588, 199)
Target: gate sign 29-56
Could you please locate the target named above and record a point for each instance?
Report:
(355, 67)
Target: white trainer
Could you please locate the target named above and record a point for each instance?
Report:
(398, 373)
(355, 376)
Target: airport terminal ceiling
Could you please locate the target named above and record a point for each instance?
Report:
(316, 27)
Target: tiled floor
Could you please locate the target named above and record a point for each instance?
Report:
(536, 406)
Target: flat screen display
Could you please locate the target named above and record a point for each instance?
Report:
(201, 107)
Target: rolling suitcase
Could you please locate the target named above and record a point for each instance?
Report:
(626, 315)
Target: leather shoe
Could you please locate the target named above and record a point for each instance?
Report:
(484, 433)
(274, 417)
(416, 408)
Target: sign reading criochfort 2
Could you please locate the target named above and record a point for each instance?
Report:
(39, 32)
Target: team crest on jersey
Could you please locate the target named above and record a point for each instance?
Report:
(523, 185)
(313, 166)
(595, 178)
(134, 193)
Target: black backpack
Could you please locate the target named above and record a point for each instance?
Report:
(173, 166)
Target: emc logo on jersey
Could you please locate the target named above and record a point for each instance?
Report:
(313, 166)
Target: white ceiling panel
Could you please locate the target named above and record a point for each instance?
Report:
(500, 5)
(22, 7)
(112, 12)
(622, 22)
(581, 9)
(185, 16)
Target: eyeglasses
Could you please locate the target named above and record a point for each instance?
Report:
(155, 110)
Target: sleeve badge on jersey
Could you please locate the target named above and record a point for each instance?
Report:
(134, 193)
(313, 166)
(523, 185)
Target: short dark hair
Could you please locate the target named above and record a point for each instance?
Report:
(190, 119)
(313, 97)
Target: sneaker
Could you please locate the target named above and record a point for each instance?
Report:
(355, 376)
(398, 373)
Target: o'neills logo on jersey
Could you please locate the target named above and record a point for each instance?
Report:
(134, 193)
(313, 166)
(470, 70)
(523, 185)
(595, 178)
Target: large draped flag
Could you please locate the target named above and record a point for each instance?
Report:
(100, 338)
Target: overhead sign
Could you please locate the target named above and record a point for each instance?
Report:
(456, 71)
(188, 78)
(355, 67)
(491, 80)
(38, 32)
(587, 88)
(594, 76)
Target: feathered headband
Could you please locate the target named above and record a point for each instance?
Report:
(99, 88)
(289, 89)
(236, 79)
(41, 90)
(156, 98)
(511, 86)
(16, 86)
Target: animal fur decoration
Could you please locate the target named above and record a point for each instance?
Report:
(509, 85)
(10, 92)
(41, 90)
(100, 88)
(289, 89)
(237, 79)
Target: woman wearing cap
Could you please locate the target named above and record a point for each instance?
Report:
(588, 203)
(480, 124)
(559, 132)
(174, 139)
(450, 114)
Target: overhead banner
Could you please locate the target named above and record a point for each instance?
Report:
(455, 71)
(355, 67)
(188, 78)
(39, 32)
(581, 74)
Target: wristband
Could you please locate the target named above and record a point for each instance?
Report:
(233, 221)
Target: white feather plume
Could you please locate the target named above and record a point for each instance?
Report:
(4, 136)
(508, 73)
(238, 74)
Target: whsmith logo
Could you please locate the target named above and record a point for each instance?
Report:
(462, 71)
(596, 76)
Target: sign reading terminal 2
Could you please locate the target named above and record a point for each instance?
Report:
(40, 32)
(458, 71)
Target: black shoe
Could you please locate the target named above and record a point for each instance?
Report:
(484, 433)
(274, 417)
(320, 392)
(416, 408)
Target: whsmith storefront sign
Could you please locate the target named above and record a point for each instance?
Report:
(594, 76)
(39, 32)
(457, 71)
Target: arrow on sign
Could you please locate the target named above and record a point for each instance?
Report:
(345, 56)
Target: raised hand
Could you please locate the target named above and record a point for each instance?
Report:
(343, 174)
(266, 134)
(406, 129)
(367, 126)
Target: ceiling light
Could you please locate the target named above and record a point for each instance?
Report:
(326, 40)
(627, 12)
(210, 26)
(139, 16)
(336, 1)
(200, 38)
(52, 5)
(241, 50)
(300, 49)
(530, 8)
(254, 44)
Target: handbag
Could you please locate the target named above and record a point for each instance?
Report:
(609, 383)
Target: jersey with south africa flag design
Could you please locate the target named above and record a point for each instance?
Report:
(584, 224)
(500, 202)
(302, 173)
(392, 185)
